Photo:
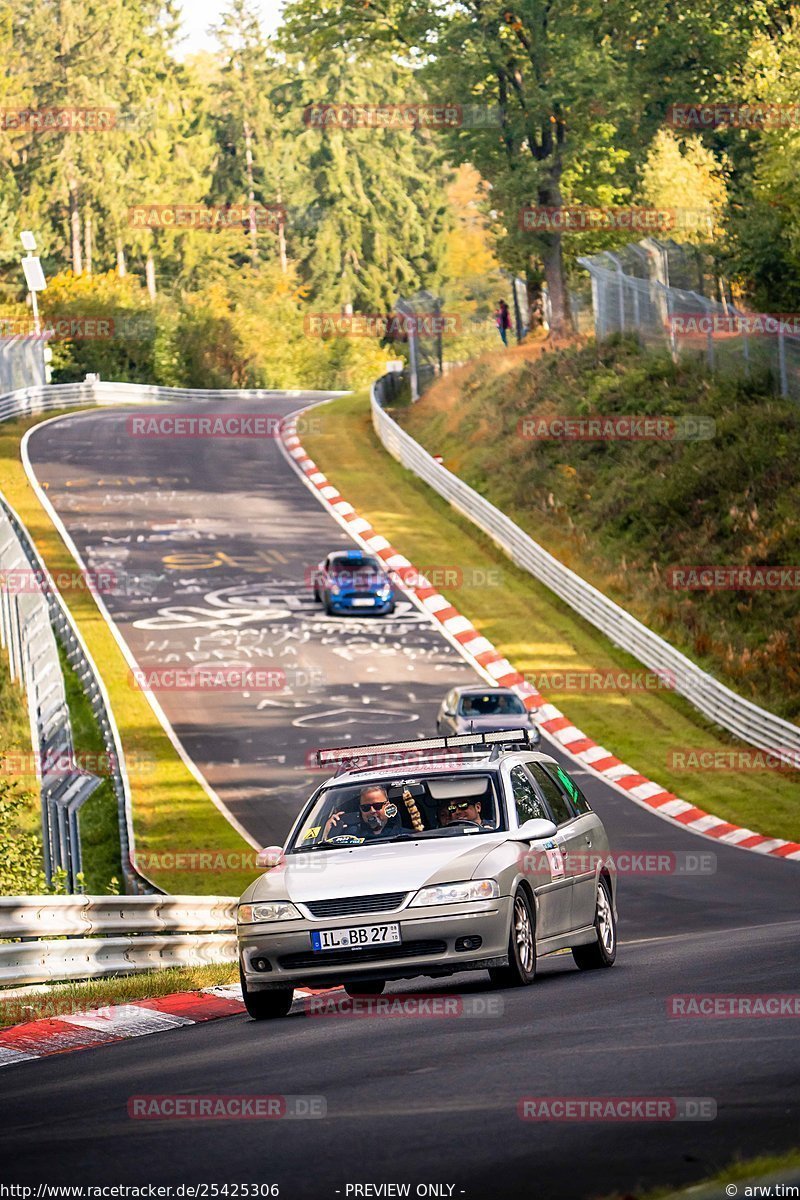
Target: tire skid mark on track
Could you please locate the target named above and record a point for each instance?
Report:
(495, 668)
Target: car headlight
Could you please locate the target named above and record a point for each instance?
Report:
(335, 589)
(277, 910)
(457, 893)
(385, 590)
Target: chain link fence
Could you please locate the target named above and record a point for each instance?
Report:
(643, 289)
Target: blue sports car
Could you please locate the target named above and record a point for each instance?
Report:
(352, 581)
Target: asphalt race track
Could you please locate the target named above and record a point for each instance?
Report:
(221, 536)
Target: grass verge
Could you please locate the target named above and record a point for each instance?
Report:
(539, 634)
(67, 998)
(752, 1169)
(171, 812)
(633, 517)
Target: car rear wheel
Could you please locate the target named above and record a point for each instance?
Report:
(266, 1006)
(370, 987)
(521, 969)
(603, 952)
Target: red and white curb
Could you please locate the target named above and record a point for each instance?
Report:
(480, 652)
(117, 1022)
(102, 1026)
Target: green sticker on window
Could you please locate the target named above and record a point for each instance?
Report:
(567, 782)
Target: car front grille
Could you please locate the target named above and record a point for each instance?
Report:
(347, 905)
(339, 958)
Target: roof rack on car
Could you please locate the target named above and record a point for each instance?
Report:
(338, 755)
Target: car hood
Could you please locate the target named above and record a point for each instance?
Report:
(366, 871)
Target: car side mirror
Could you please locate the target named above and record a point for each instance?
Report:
(534, 831)
(270, 856)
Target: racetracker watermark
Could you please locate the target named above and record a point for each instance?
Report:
(728, 325)
(724, 1005)
(750, 578)
(398, 117)
(581, 219)
(616, 428)
(206, 217)
(601, 681)
(13, 763)
(68, 119)
(23, 581)
(218, 861)
(389, 326)
(696, 758)
(226, 1108)
(733, 114)
(66, 328)
(209, 679)
(554, 863)
(617, 1108)
(215, 425)
(411, 1007)
(438, 575)
(18, 1009)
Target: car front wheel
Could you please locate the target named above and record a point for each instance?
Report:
(521, 969)
(266, 1006)
(603, 952)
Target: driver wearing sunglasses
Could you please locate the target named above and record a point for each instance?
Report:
(453, 811)
(376, 817)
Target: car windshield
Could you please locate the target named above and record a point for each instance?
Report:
(490, 704)
(400, 809)
(358, 572)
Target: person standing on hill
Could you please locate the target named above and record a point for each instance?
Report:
(503, 320)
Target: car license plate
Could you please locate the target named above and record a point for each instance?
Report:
(354, 938)
(362, 603)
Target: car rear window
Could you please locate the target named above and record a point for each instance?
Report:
(490, 704)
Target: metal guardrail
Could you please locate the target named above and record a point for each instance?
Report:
(143, 933)
(26, 632)
(718, 703)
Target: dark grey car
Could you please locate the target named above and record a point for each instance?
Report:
(476, 709)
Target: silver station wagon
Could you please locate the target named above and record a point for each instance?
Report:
(459, 855)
